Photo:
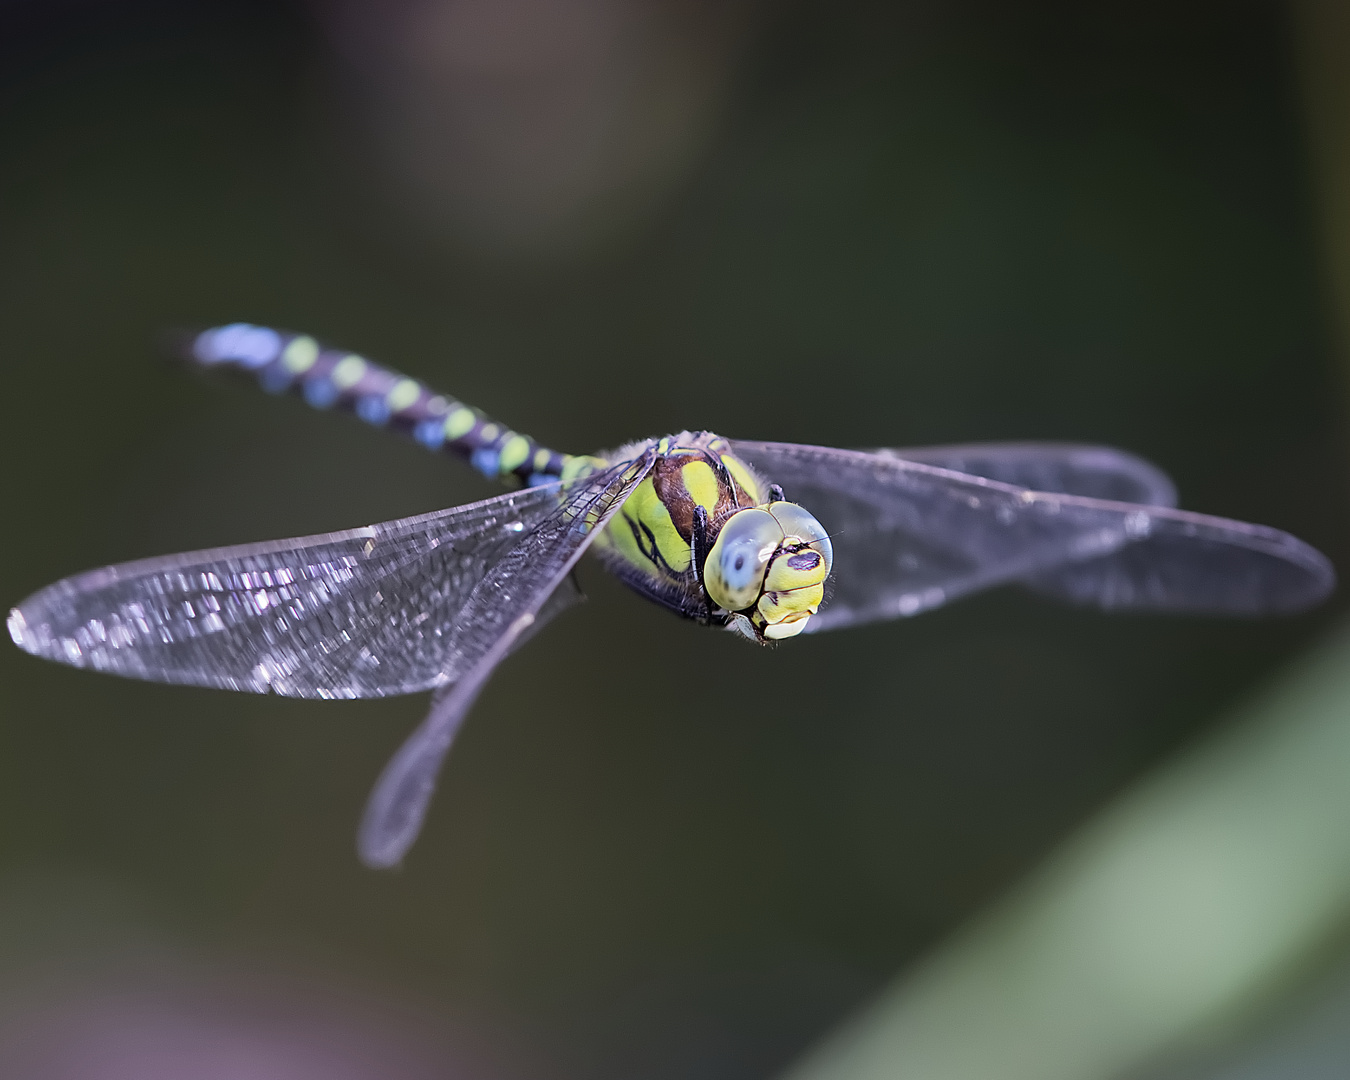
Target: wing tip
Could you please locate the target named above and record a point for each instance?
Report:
(1321, 578)
(33, 634)
(19, 631)
(378, 853)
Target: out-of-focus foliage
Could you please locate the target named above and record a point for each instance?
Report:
(1169, 915)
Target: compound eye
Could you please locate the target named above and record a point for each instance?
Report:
(734, 574)
(798, 523)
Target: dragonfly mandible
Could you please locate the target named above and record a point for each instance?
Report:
(766, 539)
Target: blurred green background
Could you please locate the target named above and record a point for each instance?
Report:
(656, 852)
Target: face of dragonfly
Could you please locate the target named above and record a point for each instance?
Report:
(707, 537)
(768, 567)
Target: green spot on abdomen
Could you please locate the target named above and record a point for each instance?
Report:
(459, 423)
(349, 371)
(514, 453)
(404, 393)
(300, 355)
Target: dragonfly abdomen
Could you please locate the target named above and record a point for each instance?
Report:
(327, 378)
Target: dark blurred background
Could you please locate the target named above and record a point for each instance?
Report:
(656, 852)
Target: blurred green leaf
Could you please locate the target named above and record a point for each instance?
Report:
(1183, 904)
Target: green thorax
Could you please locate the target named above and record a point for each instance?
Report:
(649, 544)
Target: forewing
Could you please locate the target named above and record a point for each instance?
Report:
(909, 537)
(364, 613)
(512, 597)
(1099, 472)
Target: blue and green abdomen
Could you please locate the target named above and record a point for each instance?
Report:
(334, 378)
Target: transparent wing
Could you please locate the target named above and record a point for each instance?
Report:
(513, 597)
(1099, 472)
(364, 613)
(910, 536)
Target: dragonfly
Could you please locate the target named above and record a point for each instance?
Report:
(768, 540)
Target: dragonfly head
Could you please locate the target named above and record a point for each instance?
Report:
(769, 565)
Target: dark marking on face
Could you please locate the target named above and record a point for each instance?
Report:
(804, 560)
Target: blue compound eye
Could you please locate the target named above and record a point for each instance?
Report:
(734, 574)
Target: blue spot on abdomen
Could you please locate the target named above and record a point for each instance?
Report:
(372, 410)
(430, 433)
(321, 393)
(486, 461)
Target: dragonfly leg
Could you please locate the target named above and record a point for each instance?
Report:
(700, 546)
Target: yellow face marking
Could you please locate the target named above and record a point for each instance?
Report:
(459, 423)
(777, 606)
(349, 372)
(300, 355)
(782, 615)
(796, 570)
(404, 393)
(514, 453)
(701, 483)
(789, 627)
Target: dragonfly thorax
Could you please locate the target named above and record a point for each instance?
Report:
(703, 535)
